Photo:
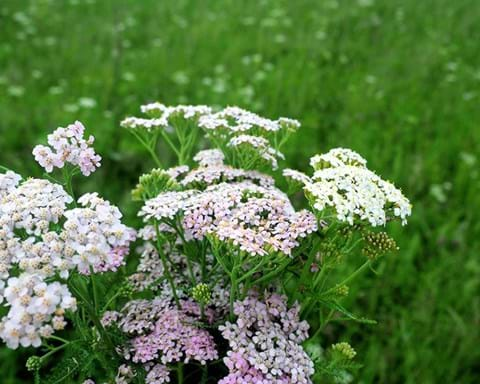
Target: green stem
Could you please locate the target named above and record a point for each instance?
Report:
(204, 374)
(149, 148)
(105, 307)
(170, 143)
(67, 176)
(189, 264)
(165, 266)
(56, 350)
(353, 246)
(53, 337)
(4, 168)
(327, 320)
(93, 314)
(273, 273)
(352, 276)
(253, 270)
(94, 289)
(180, 373)
(233, 288)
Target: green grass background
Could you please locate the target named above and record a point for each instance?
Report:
(397, 81)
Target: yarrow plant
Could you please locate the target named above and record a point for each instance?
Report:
(229, 279)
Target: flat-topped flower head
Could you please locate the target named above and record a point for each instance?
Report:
(337, 157)
(40, 235)
(95, 236)
(33, 206)
(356, 193)
(209, 158)
(342, 185)
(176, 172)
(165, 206)
(186, 111)
(68, 145)
(144, 123)
(36, 310)
(235, 120)
(265, 343)
(204, 176)
(161, 333)
(258, 219)
(161, 116)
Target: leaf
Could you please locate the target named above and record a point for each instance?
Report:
(75, 359)
(335, 305)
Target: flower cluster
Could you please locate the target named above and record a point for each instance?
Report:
(234, 120)
(241, 207)
(256, 145)
(32, 236)
(265, 343)
(377, 244)
(295, 176)
(355, 192)
(94, 236)
(162, 334)
(36, 310)
(157, 374)
(67, 145)
(28, 212)
(202, 177)
(40, 239)
(8, 181)
(257, 219)
(161, 116)
(337, 157)
(248, 135)
(174, 338)
(342, 182)
(209, 158)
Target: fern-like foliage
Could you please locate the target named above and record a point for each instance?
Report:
(76, 361)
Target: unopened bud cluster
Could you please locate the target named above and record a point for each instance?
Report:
(341, 290)
(201, 293)
(151, 184)
(377, 244)
(344, 350)
(34, 363)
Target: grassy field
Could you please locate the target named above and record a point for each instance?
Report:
(397, 81)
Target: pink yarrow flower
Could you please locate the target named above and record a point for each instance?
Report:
(68, 145)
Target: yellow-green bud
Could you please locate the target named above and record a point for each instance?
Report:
(201, 293)
(34, 363)
(151, 184)
(377, 244)
(341, 290)
(345, 350)
(126, 289)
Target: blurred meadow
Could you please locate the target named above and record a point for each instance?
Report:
(397, 81)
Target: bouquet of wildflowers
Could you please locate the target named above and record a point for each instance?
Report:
(229, 280)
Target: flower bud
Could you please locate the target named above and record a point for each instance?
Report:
(344, 350)
(201, 293)
(34, 363)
